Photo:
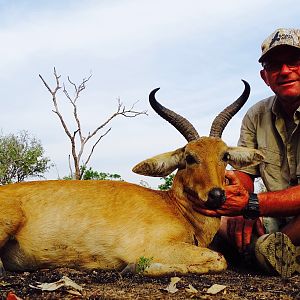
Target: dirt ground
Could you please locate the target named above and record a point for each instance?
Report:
(240, 284)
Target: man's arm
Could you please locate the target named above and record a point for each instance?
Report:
(271, 204)
(282, 203)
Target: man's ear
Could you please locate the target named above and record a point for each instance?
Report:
(264, 77)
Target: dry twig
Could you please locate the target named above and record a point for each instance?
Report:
(83, 139)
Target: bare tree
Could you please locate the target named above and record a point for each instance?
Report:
(77, 148)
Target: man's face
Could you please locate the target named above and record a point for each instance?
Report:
(282, 72)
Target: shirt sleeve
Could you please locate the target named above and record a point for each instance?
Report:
(248, 139)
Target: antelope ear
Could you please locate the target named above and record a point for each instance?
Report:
(161, 165)
(241, 157)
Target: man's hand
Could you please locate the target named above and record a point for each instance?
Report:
(236, 199)
(236, 229)
(239, 231)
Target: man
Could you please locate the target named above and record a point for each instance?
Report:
(272, 126)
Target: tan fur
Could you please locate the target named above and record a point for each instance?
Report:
(109, 224)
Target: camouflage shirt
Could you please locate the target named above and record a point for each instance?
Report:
(264, 128)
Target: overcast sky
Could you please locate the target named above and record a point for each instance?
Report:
(196, 51)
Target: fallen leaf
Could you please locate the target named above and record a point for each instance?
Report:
(215, 288)
(191, 289)
(64, 281)
(171, 288)
(2, 283)
(75, 293)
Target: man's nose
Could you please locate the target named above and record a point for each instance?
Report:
(285, 69)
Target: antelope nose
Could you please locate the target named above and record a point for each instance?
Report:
(216, 197)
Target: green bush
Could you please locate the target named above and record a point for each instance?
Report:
(167, 184)
(21, 157)
(90, 174)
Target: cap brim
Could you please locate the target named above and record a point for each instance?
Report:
(270, 51)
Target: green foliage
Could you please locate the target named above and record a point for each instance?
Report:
(167, 184)
(68, 177)
(21, 157)
(143, 263)
(90, 174)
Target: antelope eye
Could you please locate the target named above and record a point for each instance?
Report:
(226, 156)
(190, 159)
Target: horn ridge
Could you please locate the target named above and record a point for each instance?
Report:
(222, 119)
(179, 122)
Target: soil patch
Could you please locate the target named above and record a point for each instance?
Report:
(240, 284)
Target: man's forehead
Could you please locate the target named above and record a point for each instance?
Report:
(281, 53)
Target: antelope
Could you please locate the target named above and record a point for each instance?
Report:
(113, 224)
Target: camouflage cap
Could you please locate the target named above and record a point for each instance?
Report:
(281, 36)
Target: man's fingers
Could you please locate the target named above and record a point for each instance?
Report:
(233, 179)
(231, 229)
(207, 212)
(229, 176)
(235, 232)
(247, 233)
(239, 234)
(260, 229)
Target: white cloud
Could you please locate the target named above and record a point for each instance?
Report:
(115, 29)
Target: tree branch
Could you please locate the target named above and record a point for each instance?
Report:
(95, 144)
(78, 89)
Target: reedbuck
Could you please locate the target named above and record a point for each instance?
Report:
(110, 224)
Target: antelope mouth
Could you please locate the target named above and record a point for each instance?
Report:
(193, 197)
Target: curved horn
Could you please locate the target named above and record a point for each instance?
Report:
(222, 119)
(179, 122)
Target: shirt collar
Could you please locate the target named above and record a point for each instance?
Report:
(275, 107)
(276, 110)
